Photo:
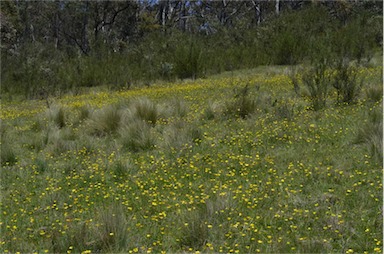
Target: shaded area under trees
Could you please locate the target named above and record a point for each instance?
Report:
(61, 45)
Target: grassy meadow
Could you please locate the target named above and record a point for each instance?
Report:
(234, 163)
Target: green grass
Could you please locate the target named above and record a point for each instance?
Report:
(174, 172)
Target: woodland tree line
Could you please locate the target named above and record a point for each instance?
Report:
(60, 46)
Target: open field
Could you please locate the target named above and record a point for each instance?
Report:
(236, 163)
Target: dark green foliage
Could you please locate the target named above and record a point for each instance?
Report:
(357, 39)
(317, 81)
(243, 104)
(188, 60)
(39, 68)
(31, 73)
(289, 38)
(166, 70)
(346, 82)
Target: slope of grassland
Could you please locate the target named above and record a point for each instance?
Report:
(235, 163)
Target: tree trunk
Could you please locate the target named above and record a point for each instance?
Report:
(277, 7)
(182, 17)
(84, 40)
(56, 28)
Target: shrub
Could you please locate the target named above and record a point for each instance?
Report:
(357, 38)
(346, 82)
(188, 59)
(286, 39)
(317, 80)
(166, 70)
(242, 104)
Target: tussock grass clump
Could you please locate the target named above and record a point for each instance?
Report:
(122, 168)
(137, 136)
(57, 115)
(371, 134)
(109, 234)
(78, 237)
(41, 165)
(212, 111)
(40, 123)
(374, 93)
(284, 111)
(194, 231)
(58, 140)
(201, 225)
(8, 155)
(36, 142)
(112, 233)
(295, 79)
(105, 121)
(181, 133)
(84, 112)
(145, 110)
(178, 107)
